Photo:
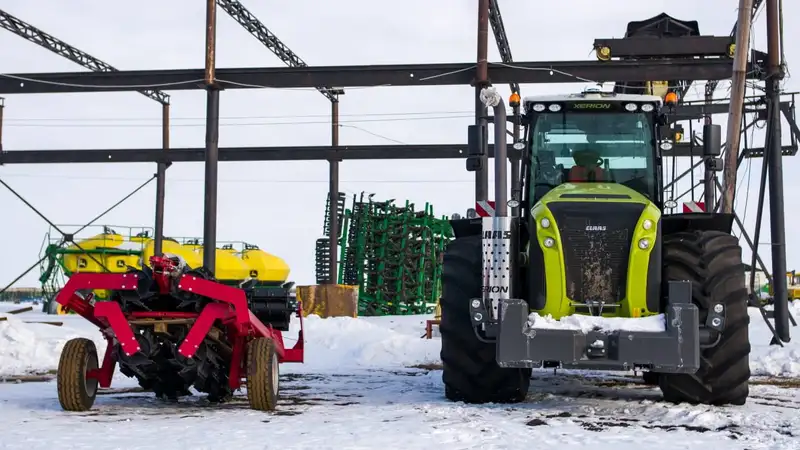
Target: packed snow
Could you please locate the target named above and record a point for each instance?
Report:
(585, 324)
(374, 382)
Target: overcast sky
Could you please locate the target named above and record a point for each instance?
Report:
(279, 205)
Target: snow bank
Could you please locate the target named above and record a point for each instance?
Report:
(27, 348)
(370, 342)
(588, 323)
(773, 360)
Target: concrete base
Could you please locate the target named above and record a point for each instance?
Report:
(329, 300)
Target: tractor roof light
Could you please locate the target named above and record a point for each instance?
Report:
(671, 99)
(514, 99)
(603, 53)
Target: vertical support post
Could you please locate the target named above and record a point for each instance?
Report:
(775, 167)
(516, 188)
(482, 81)
(710, 188)
(2, 107)
(736, 104)
(333, 196)
(212, 143)
(161, 184)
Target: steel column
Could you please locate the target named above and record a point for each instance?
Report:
(212, 143)
(481, 112)
(709, 186)
(736, 103)
(333, 197)
(2, 107)
(161, 184)
(775, 167)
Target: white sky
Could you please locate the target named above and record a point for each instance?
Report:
(279, 205)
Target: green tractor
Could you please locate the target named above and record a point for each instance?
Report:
(593, 274)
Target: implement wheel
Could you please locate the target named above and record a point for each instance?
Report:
(712, 261)
(262, 374)
(470, 371)
(76, 392)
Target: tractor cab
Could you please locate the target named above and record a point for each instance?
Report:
(593, 137)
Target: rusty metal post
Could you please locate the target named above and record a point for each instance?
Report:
(333, 197)
(774, 160)
(212, 143)
(736, 104)
(481, 112)
(161, 184)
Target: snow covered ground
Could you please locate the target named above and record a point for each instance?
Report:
(358, 389)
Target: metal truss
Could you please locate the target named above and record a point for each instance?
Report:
(59, 47)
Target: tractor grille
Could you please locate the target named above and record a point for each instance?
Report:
(596, 258)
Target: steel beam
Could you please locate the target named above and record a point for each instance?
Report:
(293, 153)
(376, 75)
(500, 38)
(61, 48)
(305, 153)
(250, 22)
(667, 47)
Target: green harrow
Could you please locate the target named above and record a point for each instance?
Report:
(393, 253)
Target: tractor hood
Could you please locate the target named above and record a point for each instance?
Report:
(597, 192)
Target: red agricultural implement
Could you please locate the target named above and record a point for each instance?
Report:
(172, 329)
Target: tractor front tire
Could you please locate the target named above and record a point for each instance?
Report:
(262, 374)
(712, 261)
(470, 370)
(76, 392)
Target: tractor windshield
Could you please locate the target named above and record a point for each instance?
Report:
(592, 147)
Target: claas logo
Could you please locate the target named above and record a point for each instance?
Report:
(592, 105)
(496, 234)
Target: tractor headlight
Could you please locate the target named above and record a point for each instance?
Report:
(545, 222)
(647, 107)
(549, 242)
(538, 107)
(647, 224)
(644, 244)
(631, 107)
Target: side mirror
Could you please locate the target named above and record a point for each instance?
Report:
(662, 119)
(712, 140)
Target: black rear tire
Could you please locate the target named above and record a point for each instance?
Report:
(470, 371)
(712, 261)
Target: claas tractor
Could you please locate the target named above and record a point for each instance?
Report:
(593, 274)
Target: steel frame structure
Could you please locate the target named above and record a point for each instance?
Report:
(676, 66)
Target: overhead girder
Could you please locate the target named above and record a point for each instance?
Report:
(59, 47)
(500, 37)
(250, 22)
